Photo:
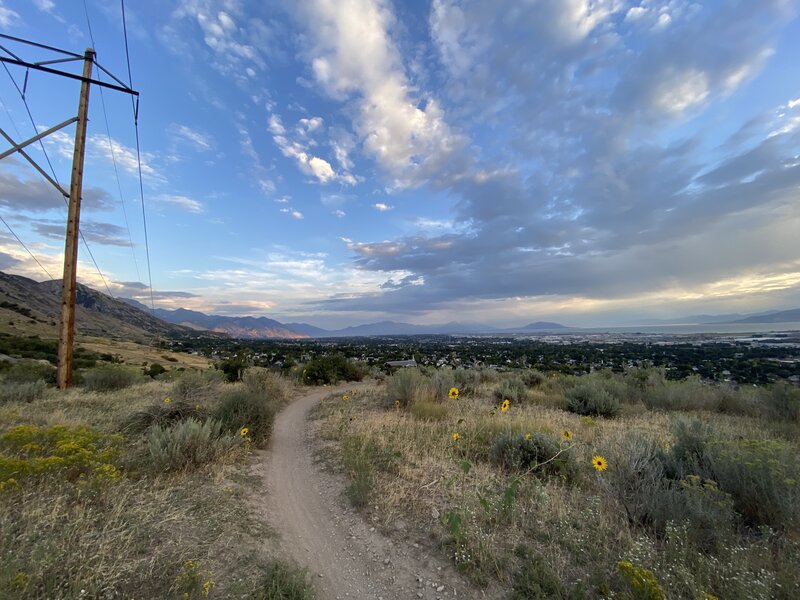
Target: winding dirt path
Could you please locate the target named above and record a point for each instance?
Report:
(347, 558)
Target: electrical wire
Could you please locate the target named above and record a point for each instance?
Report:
(135, 106)
(41, 266)
(111, 149)
(53, 172)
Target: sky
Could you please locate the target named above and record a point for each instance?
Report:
(590, 162)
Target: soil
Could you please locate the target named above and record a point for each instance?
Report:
(345, 555)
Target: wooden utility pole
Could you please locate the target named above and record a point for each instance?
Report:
(66, 339)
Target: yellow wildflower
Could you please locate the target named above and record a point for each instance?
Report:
(528, 437)
(566, 435)
(244, 431)
(453, 393)
(599, 463)
(167, 400)
(345, 397)
(397, 403)
(505, 405)
(456, 437)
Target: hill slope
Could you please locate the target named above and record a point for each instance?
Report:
(35, 307)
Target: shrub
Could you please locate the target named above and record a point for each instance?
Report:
(162, 414)
(189, 444)
(783, 403)
(588, 399)
(31, 372)
(331, 369)
(536, 580)
(360, 470)
(441, 383)
(533, 378)
(408, 386)
(197, 384)
(428, 411)
(634, 478)
(69, 452)
(282, 582)
(641, 582)
(246, 408)
(259, 379)
(109, 379)
(689, 394)
(512, 389)
(155, 370)
(520, 452)
(22, 391)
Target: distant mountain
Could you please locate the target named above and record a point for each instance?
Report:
(238, 327)
(95, 313)
(543, 326)
(783, 316)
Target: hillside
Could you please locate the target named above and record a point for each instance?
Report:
(28, 307)
(783, 316)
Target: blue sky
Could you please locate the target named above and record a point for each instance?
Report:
(337, 162)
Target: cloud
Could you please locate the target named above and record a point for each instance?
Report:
(106, 234)
(199, 141)
(37, 195)
(8, 17)
(298, 149)
(45, 5)
(602, 194)
(293, 212)
(382, 206)
(353, 58)
(183, 202)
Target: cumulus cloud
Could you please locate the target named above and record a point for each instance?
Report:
(353, 58)
(37, 195)
(299, 149)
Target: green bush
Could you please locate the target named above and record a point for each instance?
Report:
(512, 389)
(193, 385)
(331, 369)
(441, 383)
(689, 394)
(408, 386)
(533, 378)
(163, 414)
(189, 444)
(155, 370)
(22, 391)
(282, 582)
(783, 403)
(109, 379)
(30, 372)
(250, 409)
(266, 381)
(592, 400)
(69, 452)
(536, 580)
(356, 456)
(520, 452)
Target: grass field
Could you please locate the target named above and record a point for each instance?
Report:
(138, 492)
(682, 490)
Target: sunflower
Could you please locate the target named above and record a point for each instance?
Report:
(456, 437)
(167, 400)
(505, 405)
(566, 435)
(599, 463)
(453, 393)
(244, 431)
(397, 403)
(345, 397)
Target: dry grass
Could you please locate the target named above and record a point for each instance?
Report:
(495, 524)
(134, 535)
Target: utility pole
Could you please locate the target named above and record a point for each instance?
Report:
(66, 330)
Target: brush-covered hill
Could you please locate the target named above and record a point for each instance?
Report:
(30, 307)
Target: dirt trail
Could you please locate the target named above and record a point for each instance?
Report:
(347, 558)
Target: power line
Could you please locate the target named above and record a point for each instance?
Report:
(41, 266)
(111, 149)
(47, 157)
(135, 106)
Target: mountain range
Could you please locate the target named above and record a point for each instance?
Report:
(263, 327)
(24, 302)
